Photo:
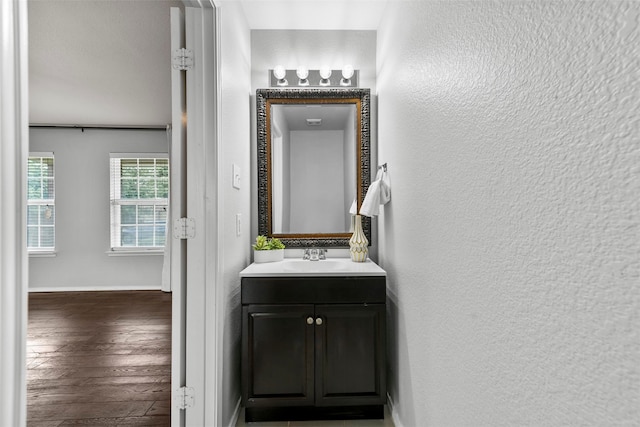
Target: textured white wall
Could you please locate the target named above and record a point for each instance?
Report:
(234, 128)
(512, 240)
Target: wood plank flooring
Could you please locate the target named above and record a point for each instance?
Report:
(99, 359)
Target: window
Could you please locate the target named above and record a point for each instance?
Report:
(139, 201)
(40, 203)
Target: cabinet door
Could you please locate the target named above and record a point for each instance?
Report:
(350, 354)
(277, 365)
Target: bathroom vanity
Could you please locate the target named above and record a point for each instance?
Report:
(313, 340)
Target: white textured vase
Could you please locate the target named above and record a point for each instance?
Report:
(358, 244)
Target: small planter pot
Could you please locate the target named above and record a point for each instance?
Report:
(272, 255)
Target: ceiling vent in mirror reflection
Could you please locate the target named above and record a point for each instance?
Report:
(314, 122)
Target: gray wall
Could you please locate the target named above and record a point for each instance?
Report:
(82, 211)
(285, 221)
(349, 166)
(314, 49)
(317, 181)
(512, 240)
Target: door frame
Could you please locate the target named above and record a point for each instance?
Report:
(14, 146)
(204, 307)
(203, 344)
(197, 327)
(178, 203)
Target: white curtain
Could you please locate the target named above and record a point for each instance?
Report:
(166, 264)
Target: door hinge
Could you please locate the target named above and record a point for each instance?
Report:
(182, 59)
(184, 228)
(184, 398)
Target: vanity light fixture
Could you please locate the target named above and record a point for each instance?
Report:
(314, 122)
(325, 74)
(347, 73)
(280, 73)
(302, 73)
(303, 77)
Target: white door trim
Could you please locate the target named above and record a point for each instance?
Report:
(14, 147)
(203, 307)
(215, 246)
(178, 254)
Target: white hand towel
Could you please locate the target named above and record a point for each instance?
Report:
(371, 204)
(354, 208)
(385, 188)
(378, 193)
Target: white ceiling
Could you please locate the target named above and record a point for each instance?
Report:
(99, 62)
(332, 116)
(313, 14)
(107, 62)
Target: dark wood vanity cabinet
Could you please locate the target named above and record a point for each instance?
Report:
(313, 347)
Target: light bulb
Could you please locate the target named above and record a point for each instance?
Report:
(279, 72)
(347, 72)
(325, 73)
(302, 72)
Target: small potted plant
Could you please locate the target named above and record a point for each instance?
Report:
(268, 250)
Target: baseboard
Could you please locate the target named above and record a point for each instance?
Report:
(236, 413)
(393, 412)
(392, 295)
(94, 288)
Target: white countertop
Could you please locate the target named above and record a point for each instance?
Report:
(296, 267)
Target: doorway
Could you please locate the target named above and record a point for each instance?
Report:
(116, 77)
(13, 297)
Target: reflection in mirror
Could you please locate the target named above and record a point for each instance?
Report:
(313, 163)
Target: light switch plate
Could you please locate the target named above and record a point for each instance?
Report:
(236, 176)
(238, 224)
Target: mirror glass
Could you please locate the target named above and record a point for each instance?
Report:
(313, 163)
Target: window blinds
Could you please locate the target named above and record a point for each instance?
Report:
(139, 200)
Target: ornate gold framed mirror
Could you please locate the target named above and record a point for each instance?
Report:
(313, 164)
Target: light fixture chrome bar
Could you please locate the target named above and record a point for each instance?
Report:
(313, 79)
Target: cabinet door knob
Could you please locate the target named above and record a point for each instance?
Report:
(309, 320)
(318, 321)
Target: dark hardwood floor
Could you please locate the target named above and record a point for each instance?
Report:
(99, 359)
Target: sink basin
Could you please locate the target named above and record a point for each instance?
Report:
(324, 266)
(296, 267)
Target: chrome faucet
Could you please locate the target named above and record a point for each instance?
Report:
(314, 254)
